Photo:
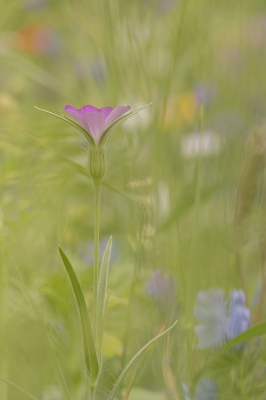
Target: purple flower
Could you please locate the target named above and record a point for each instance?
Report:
(219, 322)
(96, 120)
(161, 288)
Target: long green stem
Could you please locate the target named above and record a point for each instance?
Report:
(97, 191)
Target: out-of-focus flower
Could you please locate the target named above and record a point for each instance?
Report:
(52, 393)
(206, 389)
(181, 110)
(219, 322)
(162, 6)
(239, 318)
(97, 70)
(7, 102)
(200, 144)
(204, 94)
(96, 120)
(37, 39)
(86, 251)
(161, 288)
(94, 67)
(257, 31)
(142, 122)
(210, 311)
(35, 5)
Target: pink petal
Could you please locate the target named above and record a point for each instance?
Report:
(90, 109)
(115, 114)
(75, 114)
(106, 111)
(94, 123)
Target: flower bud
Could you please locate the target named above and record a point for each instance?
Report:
(97, 163)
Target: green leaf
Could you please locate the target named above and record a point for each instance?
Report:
(102, 295)
(118, 122)
(89, 347)
(14, 385)
(251, 333)
(123, 373)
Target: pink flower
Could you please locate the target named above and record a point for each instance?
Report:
(96, 120)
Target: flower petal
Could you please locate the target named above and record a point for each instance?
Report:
(76, 115)
(90, 109)
(115, 114)
(106, 111)
(94, 123)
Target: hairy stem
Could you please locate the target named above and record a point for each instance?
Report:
(97, 191)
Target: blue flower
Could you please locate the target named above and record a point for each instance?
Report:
(211, 313)
(219, 322)
(239, 318)
(206, 389)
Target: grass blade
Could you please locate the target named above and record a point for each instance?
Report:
(14, 385)
(123, 373)
(251, 333)
(89, 347)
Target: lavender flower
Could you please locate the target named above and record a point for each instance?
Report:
(219, 323)
(96, 120)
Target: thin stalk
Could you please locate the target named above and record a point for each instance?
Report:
(97, 191)
(4, 308)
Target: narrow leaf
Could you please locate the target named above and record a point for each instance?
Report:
(123, 373)
(14, 385)
(89, 347)
(102, 294)
(119, 121)
(251, 333)
(71, 122)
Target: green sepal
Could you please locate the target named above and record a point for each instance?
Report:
(251, 333)
(102, 295)
(73, 123)
(89, 346)
(118, 122)
(123, 373)
(97, 163)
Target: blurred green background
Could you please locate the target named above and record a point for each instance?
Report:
(168, 196)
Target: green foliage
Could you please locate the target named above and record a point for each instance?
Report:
(179, 194)
(88, 340)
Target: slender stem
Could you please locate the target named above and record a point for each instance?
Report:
(97, 191)
(3, 316)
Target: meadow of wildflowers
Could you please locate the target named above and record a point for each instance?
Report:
(132, 135)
